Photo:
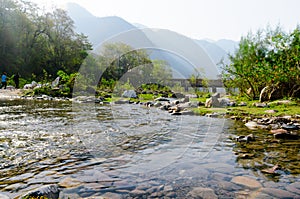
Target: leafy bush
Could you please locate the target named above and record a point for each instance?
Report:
(266, 60)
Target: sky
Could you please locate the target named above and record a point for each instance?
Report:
(197, 19)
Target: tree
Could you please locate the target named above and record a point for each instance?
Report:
(31, 42)
(266, 65)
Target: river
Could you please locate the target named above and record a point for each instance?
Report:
(132, 151)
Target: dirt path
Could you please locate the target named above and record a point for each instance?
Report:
(10, 93)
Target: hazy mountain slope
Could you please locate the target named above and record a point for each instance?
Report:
(96, 28)
(228, 45)
(204, 54)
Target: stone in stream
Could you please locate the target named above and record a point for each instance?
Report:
(200, 192)
(129, 94)
(289, 127)
(247, 138)
(2, 196)
(162, 99)
(137, 193)
(48, 191)
(69, 183)
(251, 125)
(288, 136)
(278, 193)
(278, 131)
(109, 195)
(294, 187)
(272, 170)
(246, 181)
(122, 102)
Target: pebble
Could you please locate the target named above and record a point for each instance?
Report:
(2, 196)
(271, 111)
(294, 187)
(242, 104)
(278, 131)
(14, 187)
(69, 183)
(138, 192)
(260, 105)
(278, 193)
(246, 181)
(228, 186)
(289, 127)
(109, 195)
(251, 125)
(168, 188)
(200, 192)
(47, 191)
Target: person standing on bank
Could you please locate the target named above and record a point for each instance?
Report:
(16, 80)
(3, 80)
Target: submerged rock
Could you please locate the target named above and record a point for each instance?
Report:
(48, 191)
(69, 183)
(122, 102)
(294, 187)
(2, 196)
(289, 127)
(200, 192)
(278, 193)
(272, 170)
(251, 125)
(275, 131)
(286, 136)
(246, 181)
(247, 138)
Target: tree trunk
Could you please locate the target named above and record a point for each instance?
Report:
(263, 94)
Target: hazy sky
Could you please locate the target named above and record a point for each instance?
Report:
(213, 19)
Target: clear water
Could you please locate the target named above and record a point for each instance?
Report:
(120, 148)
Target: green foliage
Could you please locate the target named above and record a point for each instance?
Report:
(146, 97)
(123, 68)
(34, 41)
(269, 58)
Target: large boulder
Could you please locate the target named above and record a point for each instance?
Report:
(129, 94)
(213, 101)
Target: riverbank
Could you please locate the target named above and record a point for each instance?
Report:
(235, 108)
(10, 93)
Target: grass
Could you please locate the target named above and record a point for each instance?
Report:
(292, 109)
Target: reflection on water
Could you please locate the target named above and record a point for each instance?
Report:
(132, 151)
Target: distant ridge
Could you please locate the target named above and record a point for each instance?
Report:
(96, 28)
(99, 29)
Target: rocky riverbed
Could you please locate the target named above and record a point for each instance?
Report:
(78, 149)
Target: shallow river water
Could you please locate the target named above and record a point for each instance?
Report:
(131, 151)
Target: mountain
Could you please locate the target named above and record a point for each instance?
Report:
(218, 51)
(97, 29)
(228, 45)
(183, 54)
